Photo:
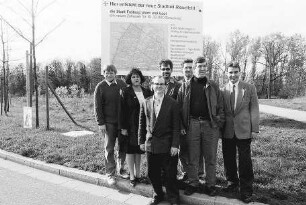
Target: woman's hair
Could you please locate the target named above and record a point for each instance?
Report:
(134, 71)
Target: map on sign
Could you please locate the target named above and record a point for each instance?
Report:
(139, 45)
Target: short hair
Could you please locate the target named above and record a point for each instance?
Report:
(134, 71)
(199, 59)
(233, 64)
(166, 62)
(188, 60)
(158, 77)
(109, 68)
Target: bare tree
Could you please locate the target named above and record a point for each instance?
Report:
(255, 54)
(237, 48)
(33, 11)
(274, 53)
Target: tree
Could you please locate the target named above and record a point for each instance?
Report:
(94, 73)
(295, 78)
(237, 48)
(255, 55)
(211, 53)
(33, 11)
(17, 85)
(84, 79)
(274, 53)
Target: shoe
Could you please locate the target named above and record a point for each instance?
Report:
(175, 203)
(183, 177)
(156, 200)
(246, 198)
(211, 191)
(190, 190)
(133, 182)
(230, 188)
(111, 180)
(122, 173)
(143, 180)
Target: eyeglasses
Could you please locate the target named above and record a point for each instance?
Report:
(165, 69)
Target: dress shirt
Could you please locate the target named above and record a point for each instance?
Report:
(157, 102)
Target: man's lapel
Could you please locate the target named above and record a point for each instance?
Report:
(152, 113)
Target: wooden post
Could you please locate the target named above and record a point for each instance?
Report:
(47, 99)
(1, 95)
(29, 80)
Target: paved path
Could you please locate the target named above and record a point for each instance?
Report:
(284, 112)
(23, 185)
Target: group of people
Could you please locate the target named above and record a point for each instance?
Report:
(179, 122)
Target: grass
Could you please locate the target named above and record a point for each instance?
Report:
(295, 103)
(279, 154)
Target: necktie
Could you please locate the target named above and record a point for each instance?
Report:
(233, 99)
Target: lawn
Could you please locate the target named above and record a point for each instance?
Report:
(295, 103)
(279, 154)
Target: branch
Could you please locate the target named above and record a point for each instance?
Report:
(18, 15)
(46, 7)
(58, 25)
(24, 7)
(15, 29)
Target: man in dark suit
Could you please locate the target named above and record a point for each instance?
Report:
(159, 132)
(241, 125)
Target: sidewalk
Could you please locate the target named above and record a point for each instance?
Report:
(98, 179)
(296, 115)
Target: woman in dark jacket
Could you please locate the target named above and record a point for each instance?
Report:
(132, 96)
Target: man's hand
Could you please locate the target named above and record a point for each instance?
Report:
(173, 151)
(255, 136)
(102, 129)
(124, 132)
(142, 147)
(183, 131)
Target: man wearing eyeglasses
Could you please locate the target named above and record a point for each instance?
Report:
(202, 115)
(172, 86)
(159, 132)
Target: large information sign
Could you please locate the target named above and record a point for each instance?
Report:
(139, 33)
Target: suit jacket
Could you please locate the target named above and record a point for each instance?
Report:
(129, 115)
(245, 118)
(161, 133)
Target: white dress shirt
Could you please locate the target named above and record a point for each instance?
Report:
(157, 102)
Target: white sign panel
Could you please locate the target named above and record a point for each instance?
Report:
(139, 33)
(27, 117)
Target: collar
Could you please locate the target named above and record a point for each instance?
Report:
(161, 98)
(109, 83)
(236, 84)
(193, 78)
(171, 81)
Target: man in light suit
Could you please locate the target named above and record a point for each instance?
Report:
(158, 135)
(241, 125)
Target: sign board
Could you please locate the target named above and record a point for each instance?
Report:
(139, 33)
(27, 117)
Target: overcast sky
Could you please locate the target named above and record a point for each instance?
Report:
(79, 36)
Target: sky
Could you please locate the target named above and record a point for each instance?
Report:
(79, 36)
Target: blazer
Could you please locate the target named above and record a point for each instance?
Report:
(161, 133)
(129, 115)
(245, 118)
